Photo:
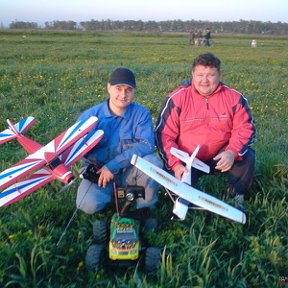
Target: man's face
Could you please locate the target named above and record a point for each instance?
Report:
(205, 79)
(120, 97)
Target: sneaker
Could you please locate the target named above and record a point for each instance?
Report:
(150, 224)
(238, 201)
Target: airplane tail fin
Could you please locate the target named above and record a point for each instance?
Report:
(15, 129)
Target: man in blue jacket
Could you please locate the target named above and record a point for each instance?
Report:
(128, 130)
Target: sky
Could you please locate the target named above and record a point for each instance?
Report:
(41, 11)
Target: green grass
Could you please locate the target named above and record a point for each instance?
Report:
(55, 76)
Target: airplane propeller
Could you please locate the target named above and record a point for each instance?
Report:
(67, 186)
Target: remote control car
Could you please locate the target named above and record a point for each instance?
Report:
(122, 243)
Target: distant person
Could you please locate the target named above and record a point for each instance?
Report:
(128, 130)
(198, 37)
(208, 113)
(207, 37)
(191, 37)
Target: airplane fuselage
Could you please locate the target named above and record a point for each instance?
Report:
(54, 164)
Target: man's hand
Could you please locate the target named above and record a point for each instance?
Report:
(226, 160)
(179, 171)
(105, 176)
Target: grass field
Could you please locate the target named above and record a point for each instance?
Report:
(55, 76)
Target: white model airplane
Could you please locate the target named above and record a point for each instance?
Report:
(191, 161)
(187, 194)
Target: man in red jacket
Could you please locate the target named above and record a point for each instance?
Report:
(207, 112)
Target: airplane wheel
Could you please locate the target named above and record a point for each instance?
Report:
(94, 256)
(152, 260)
(100, 232)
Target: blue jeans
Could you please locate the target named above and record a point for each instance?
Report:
(91, 198)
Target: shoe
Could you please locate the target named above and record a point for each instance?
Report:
(150, 224)
(238, 201)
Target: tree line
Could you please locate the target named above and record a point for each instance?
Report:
(241, 26)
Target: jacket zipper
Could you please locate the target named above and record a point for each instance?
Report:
(207, 105)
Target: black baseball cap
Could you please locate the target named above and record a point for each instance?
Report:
(123, 76)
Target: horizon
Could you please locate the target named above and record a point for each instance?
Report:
(41, 11)
(42, 24)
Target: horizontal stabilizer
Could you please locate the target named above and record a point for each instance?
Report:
(198, 164)
(20, 127)
(190, 161)
(23, 125)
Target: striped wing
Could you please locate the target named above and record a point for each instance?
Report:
(19, 170)
(73, 134)
(23, 188)
(81, 147)
(65, 140)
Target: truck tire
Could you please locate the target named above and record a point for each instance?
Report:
(94, 256)
(100, 232)
(152, 260)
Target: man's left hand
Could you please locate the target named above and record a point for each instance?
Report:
(225, 160)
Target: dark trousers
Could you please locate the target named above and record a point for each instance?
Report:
(240, 176)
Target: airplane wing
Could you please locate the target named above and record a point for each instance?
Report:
(81, 147)
(23, 188)
(65, 140)
(22, 168)
(72, 135)
(21, 127)
(187, 192)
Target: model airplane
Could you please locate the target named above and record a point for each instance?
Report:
(50, 162)
(187, 194)
(191, 161)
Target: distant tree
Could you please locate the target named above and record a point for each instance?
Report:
(23, 25)
(61, 25)
(240, 27)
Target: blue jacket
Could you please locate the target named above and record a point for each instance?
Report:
(125, 135)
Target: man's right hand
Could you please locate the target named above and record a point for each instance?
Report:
(105, 176)
(179, 171)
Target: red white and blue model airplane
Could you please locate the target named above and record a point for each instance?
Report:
(44, 163)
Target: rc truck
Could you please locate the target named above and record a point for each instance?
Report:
(122, 243)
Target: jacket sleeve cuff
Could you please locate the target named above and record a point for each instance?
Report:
(235, 153)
